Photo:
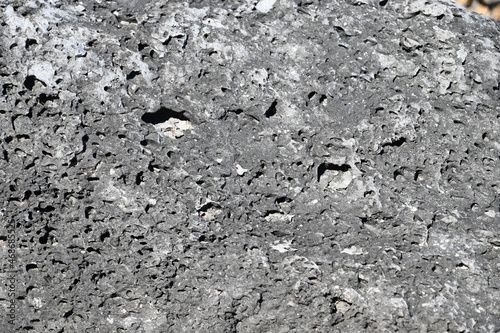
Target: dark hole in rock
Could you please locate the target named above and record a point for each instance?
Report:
(396, 143)
(46, 209)
(68, 314)
(133, 74)
(281, 200)
(44, 98)
(30, 42)
(333, 167)
(230, 113)
(27, 195)
(398, 174)
(29, 82)
(270, 212)
(167, 41)
(162, 115)
(73, 161)
(207, 206)
(30, 267)
(44, 238)
(104, 236)
(91, 249)
(138, 178)
(87, 211)
(6, 87)
(238, 111)
(272, 110)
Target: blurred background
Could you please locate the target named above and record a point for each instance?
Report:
(487, 7)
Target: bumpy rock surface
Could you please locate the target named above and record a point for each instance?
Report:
(251, 166)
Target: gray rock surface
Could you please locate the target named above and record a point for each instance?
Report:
(250, 166)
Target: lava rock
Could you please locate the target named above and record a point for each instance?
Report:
(253, 166)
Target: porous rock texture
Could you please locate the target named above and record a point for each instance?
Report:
(251, 166)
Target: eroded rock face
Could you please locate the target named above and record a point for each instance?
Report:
(254, 166)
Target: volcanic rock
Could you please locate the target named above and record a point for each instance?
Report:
(249, 166)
